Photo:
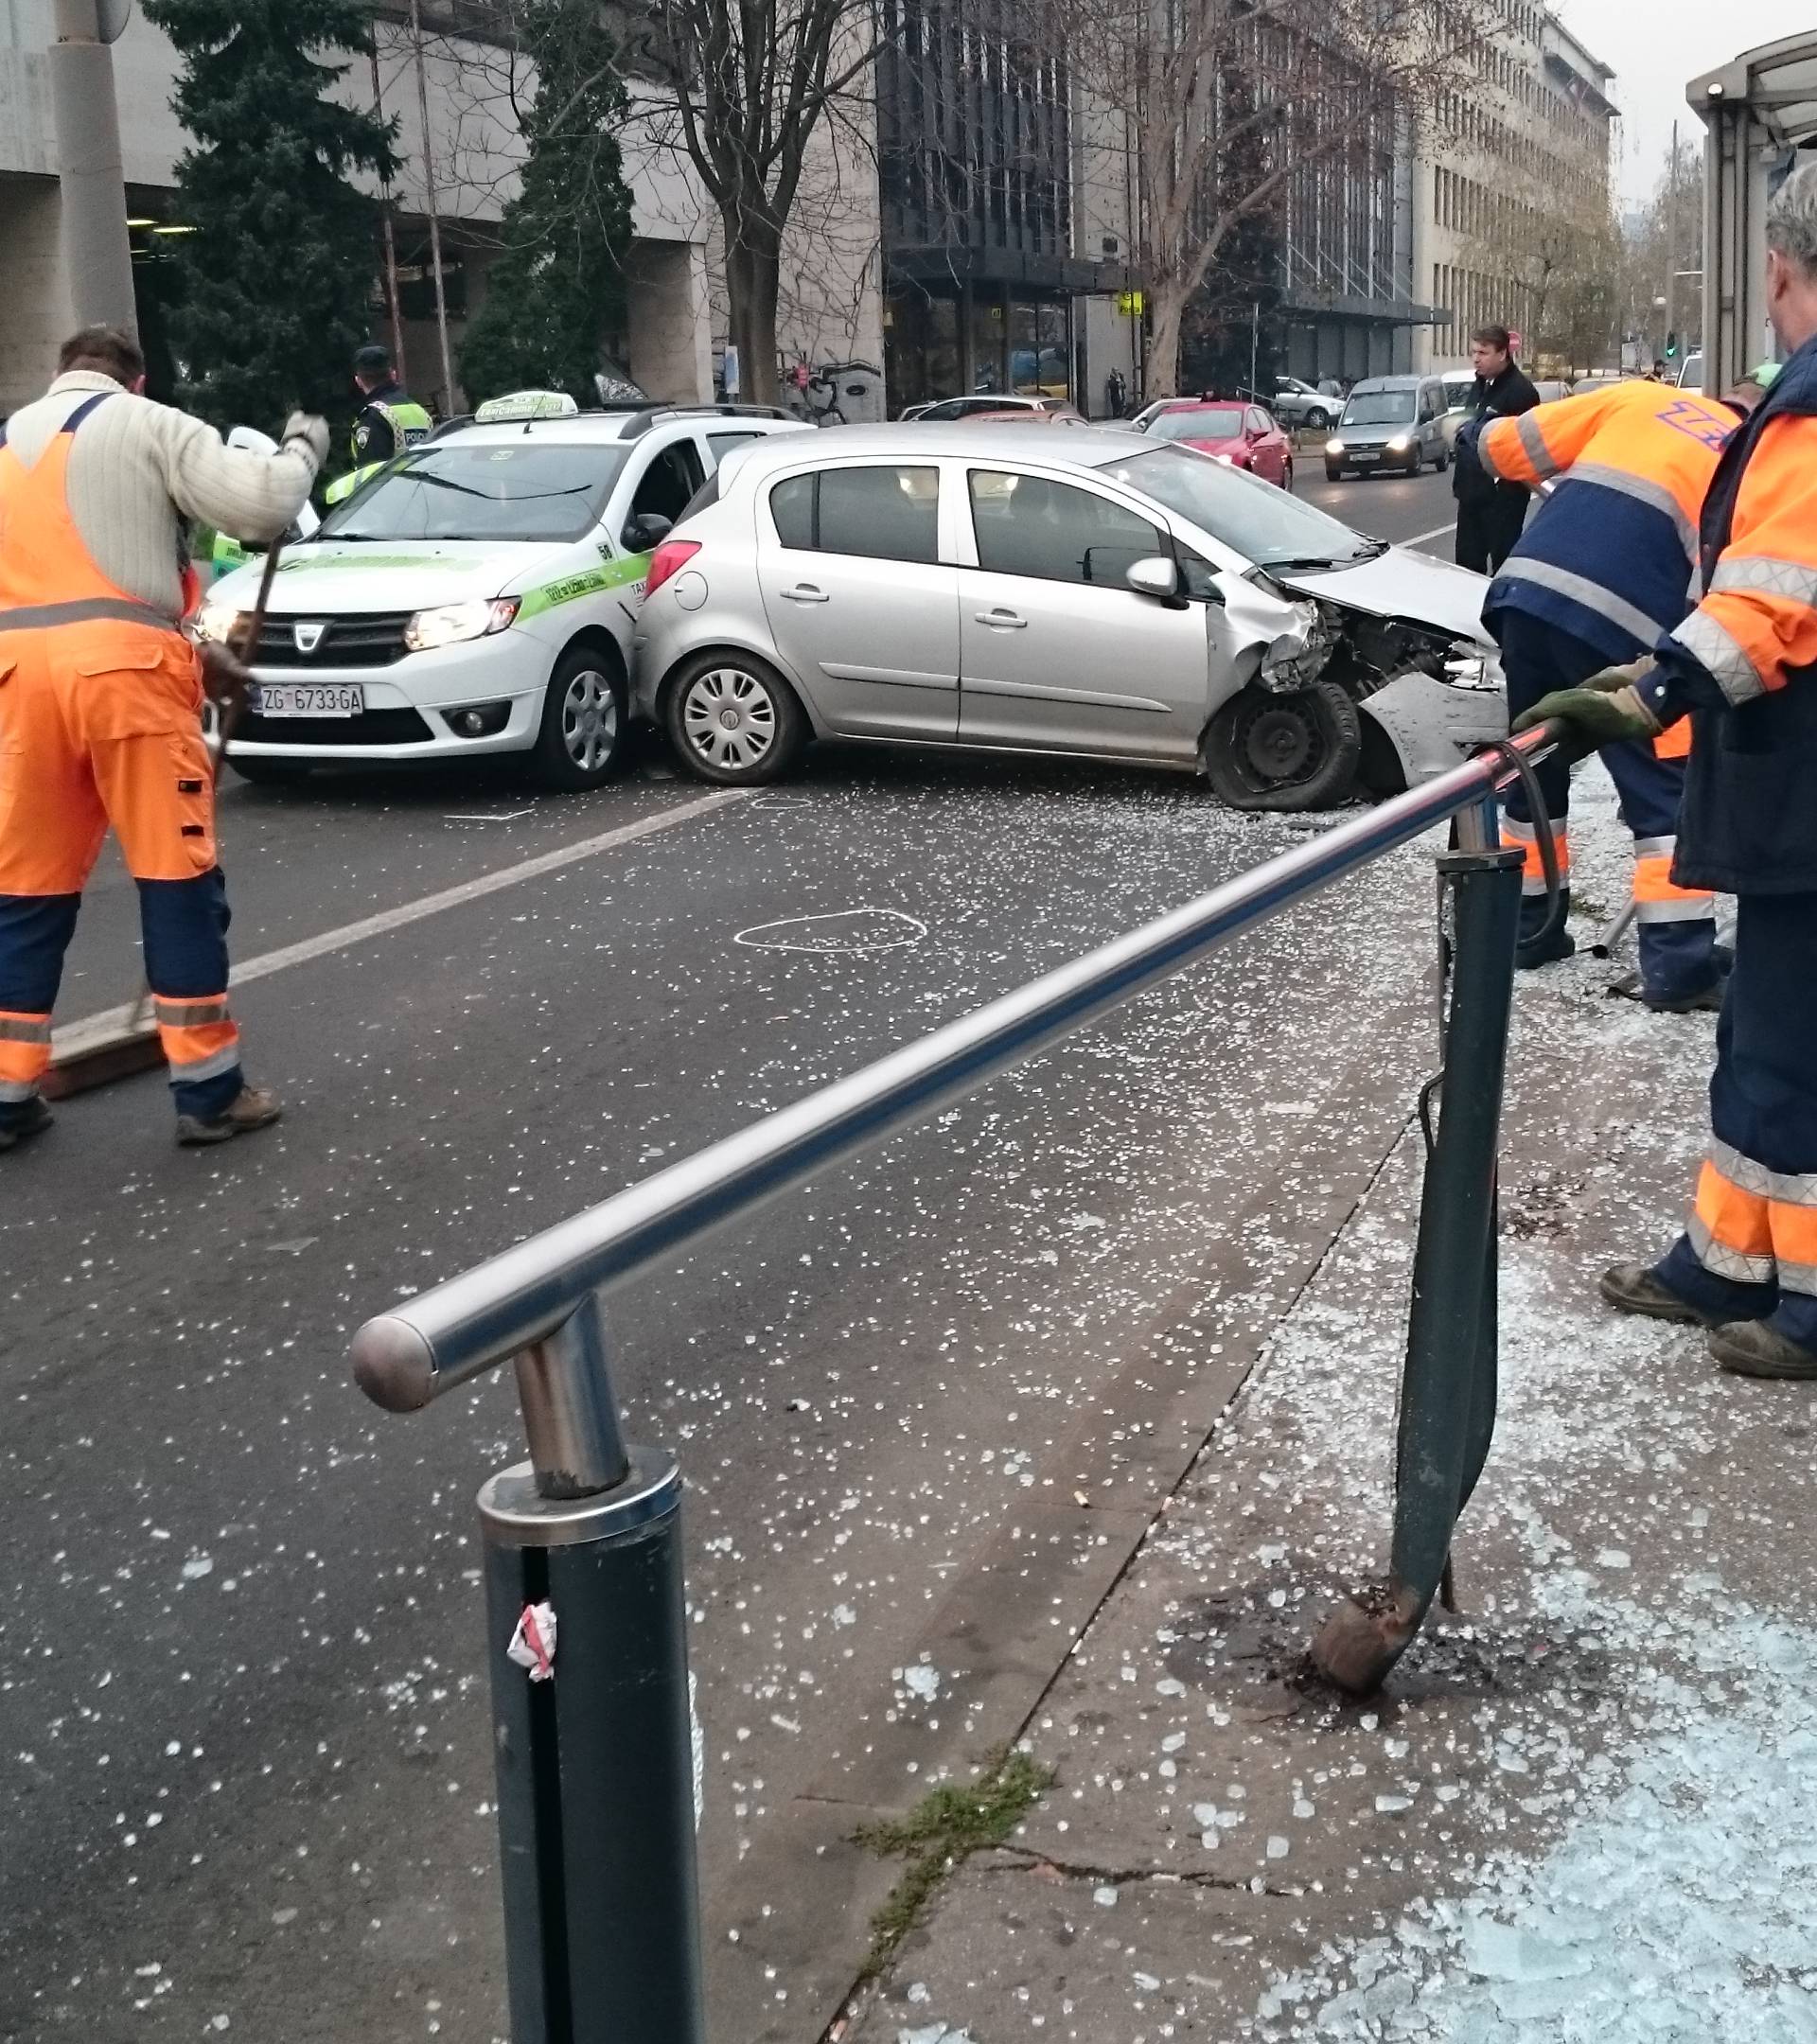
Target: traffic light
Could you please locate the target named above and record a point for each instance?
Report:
(1671, 346)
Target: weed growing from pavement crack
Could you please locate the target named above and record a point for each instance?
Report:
(939, 1835)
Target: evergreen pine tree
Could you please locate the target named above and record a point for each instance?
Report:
(560, 283)
(278, 274)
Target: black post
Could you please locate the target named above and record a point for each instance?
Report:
(593, 1741)
(1448, 1386)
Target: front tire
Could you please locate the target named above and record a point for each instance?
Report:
(1334, 475)
(733, 720)
(1299, 750)
(581, 738)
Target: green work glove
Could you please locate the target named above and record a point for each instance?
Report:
(1632, 676)
(1595, 718)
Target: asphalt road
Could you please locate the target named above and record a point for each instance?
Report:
(244, 1771)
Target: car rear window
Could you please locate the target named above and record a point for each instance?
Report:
(888, 512)
(1198, 422)
(526, 489)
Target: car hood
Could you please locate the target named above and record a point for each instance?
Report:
(387, 575)
(1403, 584)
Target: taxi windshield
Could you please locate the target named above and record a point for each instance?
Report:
(522, 489)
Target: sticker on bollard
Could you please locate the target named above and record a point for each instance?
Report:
(533, 1644)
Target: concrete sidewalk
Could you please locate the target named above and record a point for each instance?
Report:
(1586, 1806)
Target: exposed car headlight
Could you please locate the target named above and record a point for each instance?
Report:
(218, 621)
(1400, 444)
(1335, 447)
(450, 623)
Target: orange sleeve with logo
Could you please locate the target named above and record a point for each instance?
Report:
(1541, 443)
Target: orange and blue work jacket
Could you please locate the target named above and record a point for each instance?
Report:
(1743, 664)
(1611, 555)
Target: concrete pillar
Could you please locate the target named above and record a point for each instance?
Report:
(97, 254)
(35, 313)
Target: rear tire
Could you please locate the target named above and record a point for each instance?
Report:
(1297, 750)
(581, 738)
(271, 772)
(1318, 419)
(733, 720)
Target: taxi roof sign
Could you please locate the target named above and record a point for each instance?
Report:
(529, 404)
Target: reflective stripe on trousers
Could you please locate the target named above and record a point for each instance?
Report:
(1657, 898)
(1532, 871)
(1752, 1226)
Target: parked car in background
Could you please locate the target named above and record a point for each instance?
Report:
(1304, 404)
(1388, 423)
(1091, 593)
(1691, 377)
(1551, 389)
(1241, 435)
(947, 409)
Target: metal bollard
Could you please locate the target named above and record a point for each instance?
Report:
(595, 1763)
(1448, 1381)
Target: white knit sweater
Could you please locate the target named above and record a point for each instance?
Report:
(139, 472)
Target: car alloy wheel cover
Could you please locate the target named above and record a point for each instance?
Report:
(590, 721)
(730, 717)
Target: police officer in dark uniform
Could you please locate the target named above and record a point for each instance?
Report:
(388, 420)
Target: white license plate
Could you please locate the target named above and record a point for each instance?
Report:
(1365, 454)
(308, 698)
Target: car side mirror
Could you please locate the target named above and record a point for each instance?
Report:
(645, 529)
(1157, 576)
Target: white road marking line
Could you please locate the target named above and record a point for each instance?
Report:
(80, 1035)
(1449, 526)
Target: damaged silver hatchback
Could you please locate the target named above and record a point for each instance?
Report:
(1092, 593)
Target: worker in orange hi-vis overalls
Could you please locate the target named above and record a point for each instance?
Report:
(100, 700)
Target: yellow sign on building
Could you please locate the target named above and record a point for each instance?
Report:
(1129, 304)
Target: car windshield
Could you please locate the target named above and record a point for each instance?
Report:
(1267, 525)
(515, 489)
(1197, 422)
(1379, 408)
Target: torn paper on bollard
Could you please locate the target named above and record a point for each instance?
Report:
(533, 1644)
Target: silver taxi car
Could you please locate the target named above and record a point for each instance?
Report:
(1094, 593)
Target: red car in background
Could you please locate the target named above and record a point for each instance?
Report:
(1239, 435)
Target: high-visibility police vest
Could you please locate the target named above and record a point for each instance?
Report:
(409, 424)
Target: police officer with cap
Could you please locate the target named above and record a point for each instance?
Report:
(388, 420)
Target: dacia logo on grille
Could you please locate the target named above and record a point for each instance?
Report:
(307, 633)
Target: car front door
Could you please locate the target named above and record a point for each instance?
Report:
(1057, 653)
(859, 603)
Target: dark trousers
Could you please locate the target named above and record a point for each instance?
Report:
(1489, 526)
(1750, 1252)
(1676, 929)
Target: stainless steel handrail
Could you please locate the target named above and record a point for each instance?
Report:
(413, 1352)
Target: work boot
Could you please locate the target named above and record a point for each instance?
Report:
(1633, 1288)
(33, 1119)
(1708, 1002)
(1548, 951)
(255, 1107)
(1757, 1348)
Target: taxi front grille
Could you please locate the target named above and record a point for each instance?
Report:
(364, 639)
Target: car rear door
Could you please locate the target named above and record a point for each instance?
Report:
(1057, 652)
(860, 605)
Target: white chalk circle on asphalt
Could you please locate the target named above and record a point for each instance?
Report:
(845, 933)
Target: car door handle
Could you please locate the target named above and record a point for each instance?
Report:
(1002, 620)
(806, 593)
